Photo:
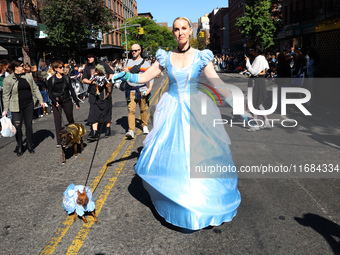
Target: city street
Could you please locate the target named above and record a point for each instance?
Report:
(295, 212)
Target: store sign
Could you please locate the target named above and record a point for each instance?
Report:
(31, 22)
(40, 35)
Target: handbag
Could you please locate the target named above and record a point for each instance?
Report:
(8, 130)
(134, 69)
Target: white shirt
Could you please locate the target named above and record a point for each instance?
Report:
(260, 63)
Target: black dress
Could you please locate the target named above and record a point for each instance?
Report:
(100, 107)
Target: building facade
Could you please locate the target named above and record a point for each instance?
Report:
(130, 9)
(236, 10)
(18, 23)
(216, 18)
(204, 26)
(313, 23)
(112, 45)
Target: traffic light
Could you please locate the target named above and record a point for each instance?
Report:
(201, 34)
(140, 31)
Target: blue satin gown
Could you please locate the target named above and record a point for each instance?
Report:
(181, 140)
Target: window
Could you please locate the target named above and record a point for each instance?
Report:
(110, 4)
(9, 5)
(9, 16)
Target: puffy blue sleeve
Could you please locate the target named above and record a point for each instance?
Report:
(206, 57)
(161, 57)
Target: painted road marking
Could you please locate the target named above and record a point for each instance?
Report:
(53, 243)
(78, 241)
(86, 227)
(55, 240)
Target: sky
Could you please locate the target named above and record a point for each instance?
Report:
(167, 11)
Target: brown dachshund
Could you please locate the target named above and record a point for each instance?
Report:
(72, 134)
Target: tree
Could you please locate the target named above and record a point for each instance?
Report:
(198, 43)
(69, 22)
(154, 36)
(260, 24)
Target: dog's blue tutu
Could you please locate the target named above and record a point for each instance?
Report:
(181, 137)
(70, 198)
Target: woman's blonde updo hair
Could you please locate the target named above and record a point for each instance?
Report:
(183, 18)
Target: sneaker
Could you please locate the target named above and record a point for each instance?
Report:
(130, 134)
(265, 126)
(145, 130)
(252, 129)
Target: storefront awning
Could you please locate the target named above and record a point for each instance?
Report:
(3, 51)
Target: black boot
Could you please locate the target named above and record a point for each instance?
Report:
(19, 150)
(107, 132)
(30, 148)
(94, 136)
(90, 135)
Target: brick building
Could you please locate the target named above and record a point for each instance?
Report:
(111, 45)
(216, 22)
(313, 23)
(236, 10)
(18, 22)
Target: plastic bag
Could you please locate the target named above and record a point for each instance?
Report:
(8, 130)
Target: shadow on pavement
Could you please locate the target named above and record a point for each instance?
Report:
(328, 229)
(137, 190)
(133, 155)
(41, 135)
(123, 122)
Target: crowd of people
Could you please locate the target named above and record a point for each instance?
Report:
(298, 58)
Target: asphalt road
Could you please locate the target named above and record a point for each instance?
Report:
(296, 212)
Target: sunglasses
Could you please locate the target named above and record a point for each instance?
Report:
(135, 50)
(60, 67)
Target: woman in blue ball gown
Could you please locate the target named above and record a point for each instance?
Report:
(183, 139)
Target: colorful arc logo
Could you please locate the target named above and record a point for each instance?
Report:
(204, 103)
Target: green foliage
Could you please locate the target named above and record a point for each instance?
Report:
(198, 43)
(69, 22)
(258, 24)
(154, 36)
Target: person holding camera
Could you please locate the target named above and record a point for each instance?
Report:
(257, 72)
(137, 93)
